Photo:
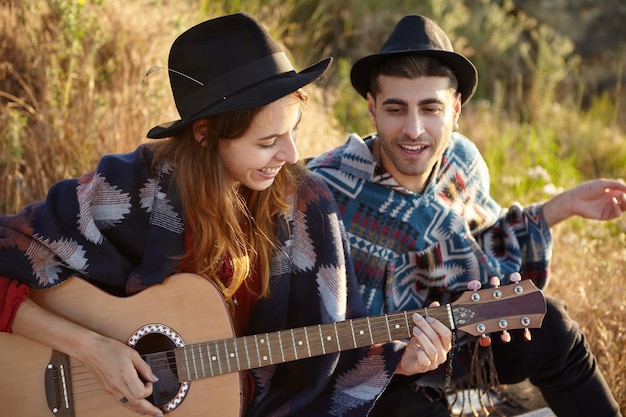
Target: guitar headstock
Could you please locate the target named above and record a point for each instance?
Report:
(519, 305)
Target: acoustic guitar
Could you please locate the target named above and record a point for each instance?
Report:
(182, 328)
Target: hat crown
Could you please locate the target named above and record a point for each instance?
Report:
(417, 33)
(202, 57)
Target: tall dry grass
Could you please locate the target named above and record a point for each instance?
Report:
(72, 87)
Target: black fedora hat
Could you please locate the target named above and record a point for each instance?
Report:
(225, 64)
(421, 36)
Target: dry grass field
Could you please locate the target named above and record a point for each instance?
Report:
(72, 87)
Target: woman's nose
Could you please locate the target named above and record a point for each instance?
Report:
(288, 151)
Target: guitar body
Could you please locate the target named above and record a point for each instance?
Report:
(187, 305)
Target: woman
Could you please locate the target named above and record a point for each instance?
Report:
(221, 197)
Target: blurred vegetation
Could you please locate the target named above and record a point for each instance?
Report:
(73, 87)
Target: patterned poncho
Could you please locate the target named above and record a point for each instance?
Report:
(410, 249)
(121, 227)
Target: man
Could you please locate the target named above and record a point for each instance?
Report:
(416, 204)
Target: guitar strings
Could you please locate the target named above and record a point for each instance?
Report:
(225, 355)
(86, 385)
(373, 326)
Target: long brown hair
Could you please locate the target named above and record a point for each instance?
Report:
(236, 225)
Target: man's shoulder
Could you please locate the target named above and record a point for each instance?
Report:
(461, 144)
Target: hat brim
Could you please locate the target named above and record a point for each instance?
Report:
(465, 71)
(253, 96)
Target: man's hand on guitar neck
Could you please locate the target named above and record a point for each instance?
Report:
(427, 348)
(117, 366)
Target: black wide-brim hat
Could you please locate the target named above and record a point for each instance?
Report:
(226, 64)
(418, 35)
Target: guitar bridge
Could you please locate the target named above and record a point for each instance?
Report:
(58, 385)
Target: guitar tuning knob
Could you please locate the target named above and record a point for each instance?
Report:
(527, 335)
(515, 277)
(505, 336)
(474, 285)
(494, 281)
(484, 340)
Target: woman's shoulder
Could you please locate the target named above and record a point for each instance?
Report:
(137, 163)
(141, 155)
(313, 183)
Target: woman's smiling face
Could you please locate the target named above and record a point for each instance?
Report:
(255, 158)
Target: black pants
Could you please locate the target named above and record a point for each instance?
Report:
(557, 361)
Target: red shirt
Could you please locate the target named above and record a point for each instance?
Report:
(12, 294)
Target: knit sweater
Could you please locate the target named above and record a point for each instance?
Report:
(121, 227)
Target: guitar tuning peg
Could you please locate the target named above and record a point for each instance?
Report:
(515, 277)
(474, 285)
(494, 281)
(527, 335)
(505, 336)
(484, 340)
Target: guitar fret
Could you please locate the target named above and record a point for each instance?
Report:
(369, 326)
(337, 336)
(319, 327)
(245, 345)
(216, 358)
(201, 361)
(293, 341)
(361, 332)
(306, 337)
(193, 363)
(264, 352)
(180, 362)
(236, 349)
(227, 356)
(406, 322)
(280, 344)
(192, 370)
(209, 358)
(387, 325)
(269, 348)
(258, 352)
(193, 374)
(301, 342)
(353, 335)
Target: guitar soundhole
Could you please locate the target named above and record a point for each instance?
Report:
(156, 344)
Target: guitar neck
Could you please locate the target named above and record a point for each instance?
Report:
(203, 360)
(518, 306)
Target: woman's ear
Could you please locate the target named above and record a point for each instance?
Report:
(200, 130)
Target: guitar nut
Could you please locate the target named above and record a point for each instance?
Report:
(481, 328)
(497, 294)
(525, 321)
(518, 289)
(503, 324)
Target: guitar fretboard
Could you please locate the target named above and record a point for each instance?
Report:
(203, 360)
